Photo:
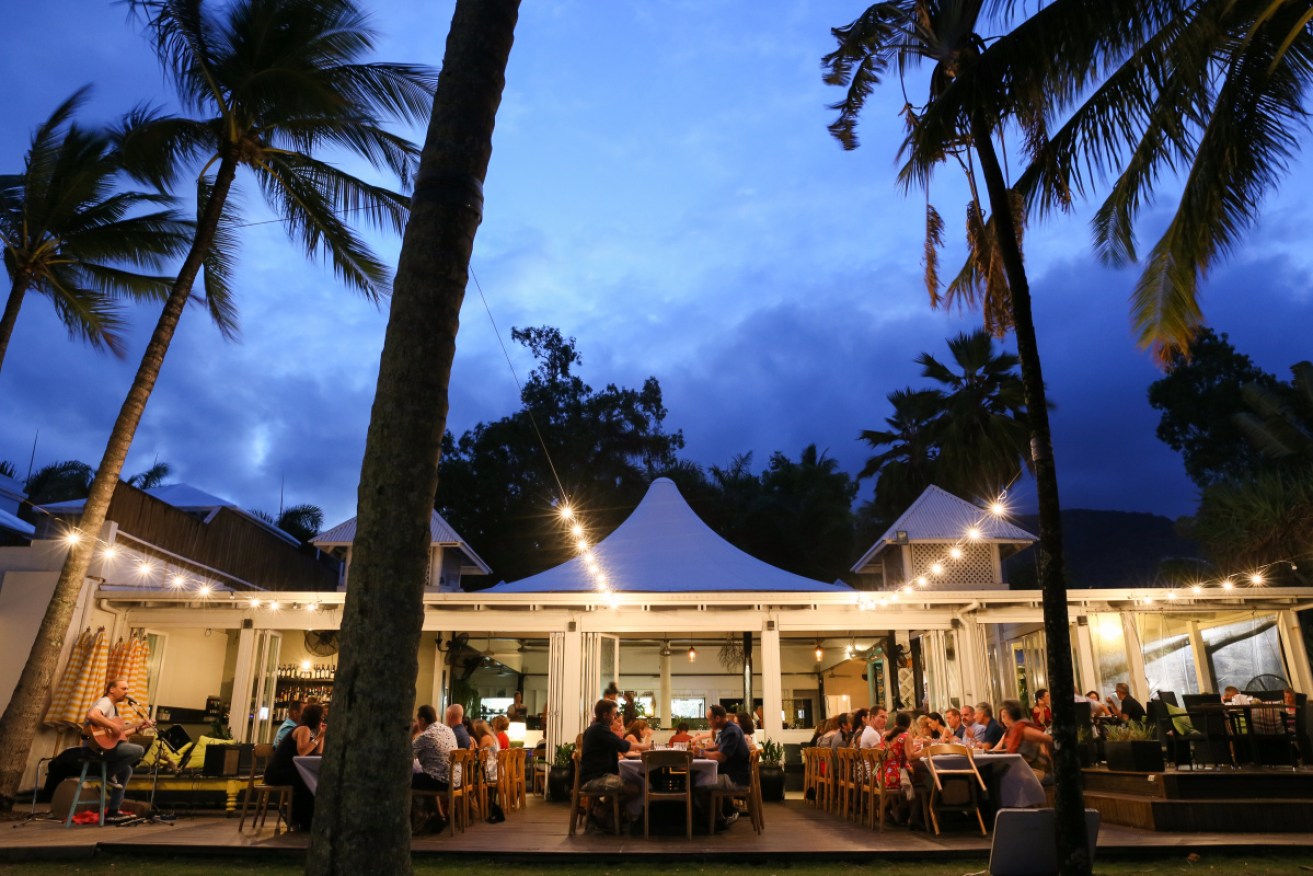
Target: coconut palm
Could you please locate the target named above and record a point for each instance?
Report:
(977, 90)
(980, 428)
(72, 234)
(906, 467)
(1217, 93)
(272, 84)
(362, 803)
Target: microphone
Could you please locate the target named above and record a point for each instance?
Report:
(131, 701)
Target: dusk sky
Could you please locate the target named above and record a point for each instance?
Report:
(662, 188)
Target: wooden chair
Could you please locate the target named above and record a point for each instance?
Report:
(519, 778)
(809, 775)
(505, 783)
(749, 796)
(667, 775)
(850, 782)
(463, 777)
(260, 757)
(824, 777)
(878, 798)
(581, 801)
(968, 775)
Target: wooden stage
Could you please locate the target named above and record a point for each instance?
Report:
(793, 830)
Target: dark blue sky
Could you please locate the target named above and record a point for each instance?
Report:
(662, 188)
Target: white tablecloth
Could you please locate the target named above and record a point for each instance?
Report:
(705, 772)
(308, 767)
(1017, 785)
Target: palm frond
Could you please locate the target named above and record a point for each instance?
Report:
(934, 241)
(220, 259)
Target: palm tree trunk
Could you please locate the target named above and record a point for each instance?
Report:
(1073, 853)
(362, 807)
(19, 724)
(10, 317)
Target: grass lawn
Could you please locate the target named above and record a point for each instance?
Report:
(1296, 863)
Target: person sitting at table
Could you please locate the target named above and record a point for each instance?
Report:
(432, 743)
(953, 724)
(500, 724)
(733, 760)
(1042, 714)
(485, 741)
(939, 731)
(845, 722)
(637, 732)
(289, 724)
(877, 721)
(599, 760)
(1028, 739)
(749, 731)
(854, 737)
(895, 743)
(991, 733)
(919, 735)
(306, 740)
(681, 735)
(973, 727)
(1126, 707)
(1097, 708)
(455, 718)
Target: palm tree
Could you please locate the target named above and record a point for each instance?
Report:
(976, 90)
(907, 467)
(362, 804)
(1215, 92)
(272, 82)
(69, 232)
(980, 429)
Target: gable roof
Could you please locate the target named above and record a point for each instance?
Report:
(440, 533)
(664, 547)
(184, 497)
(937, 516)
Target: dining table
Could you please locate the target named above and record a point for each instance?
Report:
(1011, 781)
(705, 773)
(308, 768)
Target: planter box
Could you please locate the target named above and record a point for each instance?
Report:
(772, 784)
(1141, 756)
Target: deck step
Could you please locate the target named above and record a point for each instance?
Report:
(1237, 815)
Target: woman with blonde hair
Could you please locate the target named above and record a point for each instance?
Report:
(500, 724)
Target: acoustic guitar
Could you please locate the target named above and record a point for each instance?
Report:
(108, 738)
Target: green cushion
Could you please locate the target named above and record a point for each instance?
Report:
(1180, 720)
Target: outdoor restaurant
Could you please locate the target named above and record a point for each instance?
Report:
(684, 626)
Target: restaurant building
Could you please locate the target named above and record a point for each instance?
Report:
(241, 617)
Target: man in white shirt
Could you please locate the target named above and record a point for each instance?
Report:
(873, 734)
(103, 720)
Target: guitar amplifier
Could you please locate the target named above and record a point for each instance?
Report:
(228, 760)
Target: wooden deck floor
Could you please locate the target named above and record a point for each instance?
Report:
(792, 829)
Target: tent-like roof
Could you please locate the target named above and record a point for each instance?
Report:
(440, 533)
(939, 517)
(664, 547)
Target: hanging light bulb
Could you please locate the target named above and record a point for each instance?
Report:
(566, 512)
(577, 531)
(692, 653)
(998, 509)
(1256, 579)
(72, 537)
(973, 533)
(936, 569)
(955, 552)
(820, 652)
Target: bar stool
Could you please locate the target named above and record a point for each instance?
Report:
(88, 759)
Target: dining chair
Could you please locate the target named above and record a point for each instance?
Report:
(750, 797)
(261, 754)
(968, 777)
(459, 795)
(667, 775)
(824, 767)
(847, 782)
(581, 800)
(878, 798)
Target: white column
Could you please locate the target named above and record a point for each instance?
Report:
(243, 681)
(1087, 668)
(664, 696)
(772, 694)
(1139, 680)
(571, 706)
(971, 661)
(1199, 653)
(1292, 643)
(440, 683)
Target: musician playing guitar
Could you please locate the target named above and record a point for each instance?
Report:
(107, 733)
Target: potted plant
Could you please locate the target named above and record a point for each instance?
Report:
(1132, 747)
(560, 778)
(772, 771)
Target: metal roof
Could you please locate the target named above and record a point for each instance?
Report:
(664, 547)
(440, 533)
(937, 516)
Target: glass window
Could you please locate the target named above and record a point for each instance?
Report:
(1168, 657)
(1109, 641)
(685, 707)
(1239, 652)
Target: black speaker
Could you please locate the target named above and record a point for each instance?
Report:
(228, 760)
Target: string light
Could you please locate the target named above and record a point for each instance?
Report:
(72, 537)
(110, 552)
(973, 534)
(204, 590)
(955, 552)
(566, 512)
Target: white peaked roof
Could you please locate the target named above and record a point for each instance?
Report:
(440, 533)
(664, 547)
(937, 516)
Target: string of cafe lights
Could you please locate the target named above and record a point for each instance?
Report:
(940, 568)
